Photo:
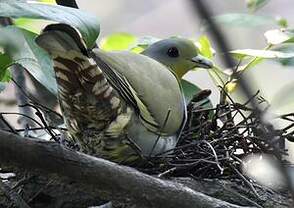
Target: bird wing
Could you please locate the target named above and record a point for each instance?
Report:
(86, 98)
(151, 87)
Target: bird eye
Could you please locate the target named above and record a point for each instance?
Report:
(173, 52)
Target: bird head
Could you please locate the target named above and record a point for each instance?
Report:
(179, 54)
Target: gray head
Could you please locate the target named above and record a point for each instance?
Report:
(180, 54)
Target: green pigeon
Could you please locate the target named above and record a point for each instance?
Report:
(120, 106)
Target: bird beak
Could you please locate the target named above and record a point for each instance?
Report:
(202, 62)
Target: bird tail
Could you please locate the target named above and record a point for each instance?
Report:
(61, 38)
(86, 97)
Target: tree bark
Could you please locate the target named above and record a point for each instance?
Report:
(109, 180)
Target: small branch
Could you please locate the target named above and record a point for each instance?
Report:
(23, 115)
(40, 116)
(4, 124)
(125, 184)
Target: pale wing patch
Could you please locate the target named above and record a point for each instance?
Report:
(117, 126)
(114, 102)
(107, 93)
(93, 71)
(92, 61)
(61, 66)
(61, 75)
(73, 124)
(100, 89)
(64, 104)
(98, 85)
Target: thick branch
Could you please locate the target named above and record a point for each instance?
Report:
(112, 181)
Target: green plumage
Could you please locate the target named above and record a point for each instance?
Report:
(118, 104)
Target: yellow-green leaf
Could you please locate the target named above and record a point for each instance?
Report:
(205, 48)
(33, 25)
(117, 41)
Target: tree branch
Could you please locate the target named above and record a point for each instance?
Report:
(109, 180)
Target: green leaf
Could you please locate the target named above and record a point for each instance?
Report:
(125, 41)
(269, 54)
(33, 25)
(137, 49)
(87, 24)
(190, 90)
(243, 20)
(4, 72)
(117, 41)
(282, 22)
(279, 36)
(205, 48)
(6, 76)
(254, 5)
(21, 48)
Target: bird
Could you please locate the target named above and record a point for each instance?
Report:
(120, 106)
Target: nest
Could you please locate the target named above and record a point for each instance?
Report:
(215, 141)
(212, 144)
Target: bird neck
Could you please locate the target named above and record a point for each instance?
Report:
(180, 72)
